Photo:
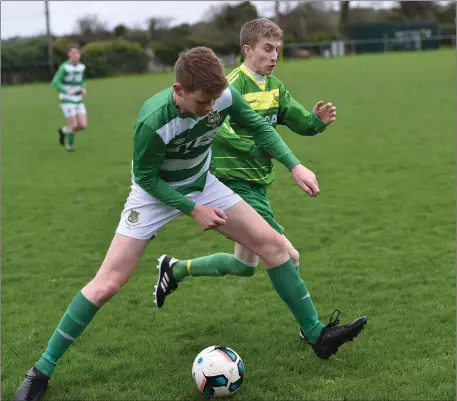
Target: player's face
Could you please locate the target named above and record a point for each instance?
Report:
(264, 55)
(197, 103)
(74, 55)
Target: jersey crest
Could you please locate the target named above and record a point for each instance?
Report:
(213, 119)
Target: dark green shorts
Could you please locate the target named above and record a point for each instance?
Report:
(256, 196)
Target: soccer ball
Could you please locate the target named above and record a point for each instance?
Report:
(218, 371)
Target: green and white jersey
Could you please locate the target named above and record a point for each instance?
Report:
(172, 151)
(235, 153)
(67, 77)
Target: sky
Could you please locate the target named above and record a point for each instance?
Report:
(27, 18)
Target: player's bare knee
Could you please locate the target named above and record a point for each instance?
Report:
(74, 127)
(294, 256)
(103, 287)
(273, 248)
(82, 126)
(107, 290)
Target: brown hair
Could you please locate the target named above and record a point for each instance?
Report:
(200, 69)
(72, 46)
(255, 30)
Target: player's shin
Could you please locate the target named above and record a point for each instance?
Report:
(217, 265)
(79, 314)
(292, 290)
(69, 135)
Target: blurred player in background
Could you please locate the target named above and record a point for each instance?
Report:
(70, 82)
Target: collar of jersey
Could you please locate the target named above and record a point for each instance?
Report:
(251, 75)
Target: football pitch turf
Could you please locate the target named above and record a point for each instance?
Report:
(379, 240)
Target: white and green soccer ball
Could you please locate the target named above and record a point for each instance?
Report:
(218, 371)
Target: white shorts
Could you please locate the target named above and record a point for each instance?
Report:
(71, 109)
(143, 216)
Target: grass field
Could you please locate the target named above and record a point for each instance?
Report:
(380, 241)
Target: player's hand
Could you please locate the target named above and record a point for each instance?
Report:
(325, 112)
(71, 92)
(306, 180)
(84, 92)
(208, 217)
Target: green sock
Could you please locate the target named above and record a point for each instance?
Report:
(216, 265)
(76, 318)
(69, 135)
(292, 290)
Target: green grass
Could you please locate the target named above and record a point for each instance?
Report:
(380, 241)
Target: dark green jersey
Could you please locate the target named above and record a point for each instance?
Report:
(236, 156)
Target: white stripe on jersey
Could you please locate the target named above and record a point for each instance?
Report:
(183, 164)
(71, 98)
(178, 125)
(175, 127)
(195, 177)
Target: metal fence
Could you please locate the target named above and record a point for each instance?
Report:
(339, 48)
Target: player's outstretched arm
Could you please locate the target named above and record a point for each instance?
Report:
(58, 79)
(301, 121)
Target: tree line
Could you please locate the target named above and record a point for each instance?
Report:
(125, 50)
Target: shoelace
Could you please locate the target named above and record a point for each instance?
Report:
(336, 321)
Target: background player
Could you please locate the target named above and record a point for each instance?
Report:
(69, 80)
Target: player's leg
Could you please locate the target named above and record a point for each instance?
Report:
(140, 220)
(67, 132)
(172, 271)
(120, 261)
(242, 253)
(293, 253)
(220, 264)
(242, 262)
(81, 117)
(248, 228)
(256, 197)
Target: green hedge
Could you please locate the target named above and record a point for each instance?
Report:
(116, 57)
(25, 60)
(167, 53)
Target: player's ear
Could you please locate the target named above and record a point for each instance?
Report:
(178, 89)
(246, 50)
